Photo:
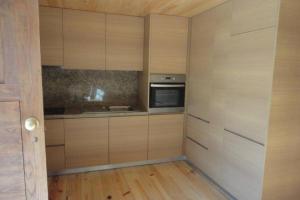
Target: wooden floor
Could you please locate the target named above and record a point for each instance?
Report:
(175, 180)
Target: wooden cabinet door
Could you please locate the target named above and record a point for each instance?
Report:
(200, 71)
(242, 167)
(54, 132)
(84, 39)
(55, 158)
(86, 142)
(250, 70)
(128, 139)
(124, 42)
(51, 31)
(168, 44)
(253, 15)
(165, 136)
(22, 152)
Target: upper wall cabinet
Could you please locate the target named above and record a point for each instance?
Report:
(253, 15)
(168, 41)
(51, 36)
(124, 42)
(84, 40)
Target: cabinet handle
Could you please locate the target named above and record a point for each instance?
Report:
(206, 121)
(199, 144)
(244, 137)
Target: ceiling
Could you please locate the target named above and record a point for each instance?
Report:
(185, 8)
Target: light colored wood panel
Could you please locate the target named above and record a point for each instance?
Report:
(252, 15)
(281, 179)
(242, 167)
(175, 180)
(138, 7)
(86, 142)
(51, 32)
(200, 69)
(54, 132)
(198, 130)
(12, 185)
(168, 44)
(249, 73)
(124, 42)
(84, 40)
(165, 136)
(55, 158)
(128, 139)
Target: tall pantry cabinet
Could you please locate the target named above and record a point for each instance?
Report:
(243, 54)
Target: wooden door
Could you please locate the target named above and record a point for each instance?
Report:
(128, 139)
(51, 28)
(165, 136)
(84, 39)
(22, 153)
(86, 142)
(168, 44)
(124, 42)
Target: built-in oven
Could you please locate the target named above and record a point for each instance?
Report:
(167, 93)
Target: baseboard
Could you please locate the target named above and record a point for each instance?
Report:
(113, 166)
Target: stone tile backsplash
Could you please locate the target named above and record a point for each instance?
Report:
(69, 88)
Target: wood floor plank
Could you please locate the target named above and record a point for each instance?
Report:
(169, 181)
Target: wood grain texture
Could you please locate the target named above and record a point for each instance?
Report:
(198, 130)
(253, 15)
(12, 185)
(165, 136)
(128, 139)
(54, 132)
(86, 142)
(51, 32)
(168, 44)
(124, 42)
(242, 167)
(84, 40)
(200, 69)
(55, 158)
(22, 70)
(281, 180)
(161, 181)
(137, 7)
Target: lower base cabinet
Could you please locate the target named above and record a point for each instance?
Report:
(165, 136)
(86, 142)
(128, 139)
(55, 158)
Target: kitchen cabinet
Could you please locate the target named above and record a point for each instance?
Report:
(84, 40)
(51, 36)
(250, 68)
(200, 71)
(165, 136)
(124, 42)
(86, 142)
(55, 156)
(253, 15)
(54, 132)
(198, 130)
(128, 139)
(168, 41)
(242, 167)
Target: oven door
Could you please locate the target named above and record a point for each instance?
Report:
(167, 96)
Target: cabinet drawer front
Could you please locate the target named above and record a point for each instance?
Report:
(55, 158)
(128, 139)
(198, 130)
(253, 15)
(54, 132)
(165, 136)
(242, 167)
(86, 142)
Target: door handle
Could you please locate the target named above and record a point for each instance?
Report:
(31, 124)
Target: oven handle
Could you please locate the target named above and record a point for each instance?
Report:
(167, 85)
